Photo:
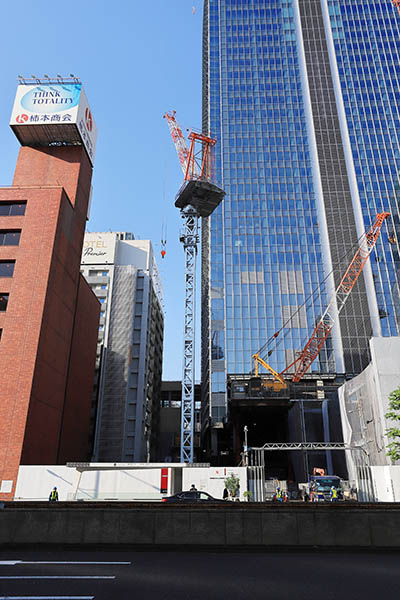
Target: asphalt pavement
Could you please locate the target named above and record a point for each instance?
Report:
(145, 575)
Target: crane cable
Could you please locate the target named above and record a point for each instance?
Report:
(164, 223)
(275, 335)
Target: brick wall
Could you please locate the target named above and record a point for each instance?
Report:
(76, 417)
(37, 326)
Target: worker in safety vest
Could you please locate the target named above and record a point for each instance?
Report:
(53, 495)
(278, 494)
(333, 494)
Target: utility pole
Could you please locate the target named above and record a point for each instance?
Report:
(245, 447)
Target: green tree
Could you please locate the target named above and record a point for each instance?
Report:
(394, 432)
(232, 484)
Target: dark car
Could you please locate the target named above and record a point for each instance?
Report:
(192, 496)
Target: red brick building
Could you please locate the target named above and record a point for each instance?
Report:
(48, 314)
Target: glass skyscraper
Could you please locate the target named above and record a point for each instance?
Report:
(302, 96)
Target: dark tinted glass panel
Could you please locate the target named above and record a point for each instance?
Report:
(10, 238)
(3, 302)
(17, 209)
(7, 268)
(1, 331)
(8, 209)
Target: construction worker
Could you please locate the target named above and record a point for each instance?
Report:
(333, 494)
(278, 494)
(53, 495)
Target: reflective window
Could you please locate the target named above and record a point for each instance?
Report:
(9, 209)
(368, 68)
(10, 238)
(7, 268)
(3, 302)
(265, 240)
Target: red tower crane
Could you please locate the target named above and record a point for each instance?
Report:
(197, 197)
(327, 321)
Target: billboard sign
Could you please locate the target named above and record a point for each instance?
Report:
(46, 114)
(98, 248)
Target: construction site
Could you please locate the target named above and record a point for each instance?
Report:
(299, 267)
(288, 423)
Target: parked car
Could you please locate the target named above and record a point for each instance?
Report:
(192, 496)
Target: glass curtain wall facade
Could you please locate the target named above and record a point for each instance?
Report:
(301, 95)
(366, 44)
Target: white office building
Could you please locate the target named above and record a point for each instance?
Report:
(123, 274)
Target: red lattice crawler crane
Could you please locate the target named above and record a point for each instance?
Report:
(325, 324)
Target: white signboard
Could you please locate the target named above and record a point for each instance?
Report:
(50, 106)
(98, 248)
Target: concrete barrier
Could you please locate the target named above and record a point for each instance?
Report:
(234, 525)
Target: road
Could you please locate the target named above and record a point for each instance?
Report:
(145, 575)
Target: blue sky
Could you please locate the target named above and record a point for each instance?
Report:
(136, 60)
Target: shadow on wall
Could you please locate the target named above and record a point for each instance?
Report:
(54, 474)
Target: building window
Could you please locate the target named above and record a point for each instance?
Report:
(7, 268)
(1, 331)
(3, 302)
(11, 209)
(10, 237)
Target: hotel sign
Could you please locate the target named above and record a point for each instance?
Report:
(98, 248)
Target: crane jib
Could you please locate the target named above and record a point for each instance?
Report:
(326, 322)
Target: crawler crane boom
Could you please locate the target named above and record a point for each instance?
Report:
(327, 320)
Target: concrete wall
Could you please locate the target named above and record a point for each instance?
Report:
(230, 525)
(212, 479)
(36, 481)
(386, 482)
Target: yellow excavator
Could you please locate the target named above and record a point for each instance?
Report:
(278, 383)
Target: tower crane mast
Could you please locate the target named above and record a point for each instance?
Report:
(197, 197)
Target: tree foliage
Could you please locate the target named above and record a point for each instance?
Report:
(393, 433)
(232, 484)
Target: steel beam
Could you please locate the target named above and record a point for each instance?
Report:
(189, 239)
